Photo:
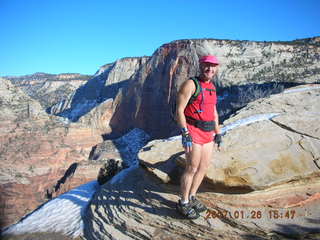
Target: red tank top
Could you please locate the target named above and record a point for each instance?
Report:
(202, 108)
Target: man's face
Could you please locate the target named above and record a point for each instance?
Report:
(208, 70)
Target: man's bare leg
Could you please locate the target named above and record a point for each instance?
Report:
(206, 156)
(193, 161)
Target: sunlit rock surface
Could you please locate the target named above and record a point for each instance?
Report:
(264, 183)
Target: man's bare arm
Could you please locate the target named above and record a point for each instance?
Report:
(184, 94)
(216, 120)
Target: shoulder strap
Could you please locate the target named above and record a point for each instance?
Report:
(191, 100)
(198, 87)
(197, 91)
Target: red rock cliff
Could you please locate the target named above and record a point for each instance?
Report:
(36, 151)
(146, 103)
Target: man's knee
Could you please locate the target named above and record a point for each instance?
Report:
(192, 169)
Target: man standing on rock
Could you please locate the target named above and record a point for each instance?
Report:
(198, 118)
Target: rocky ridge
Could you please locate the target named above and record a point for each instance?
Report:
(263, 184)
(41, 155)
(48, 89)
(148, 100)
(104, 85)
(139, 92)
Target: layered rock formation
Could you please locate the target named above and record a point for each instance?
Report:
(41, 156)
(143, 208)
(263, 184)
(147, 102)
(106, 83)
(49, 89)
(139, 92)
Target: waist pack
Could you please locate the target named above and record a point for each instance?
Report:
(206, 126)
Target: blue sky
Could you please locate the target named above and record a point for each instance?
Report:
(79, 36)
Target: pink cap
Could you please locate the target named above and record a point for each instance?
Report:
(209, 59)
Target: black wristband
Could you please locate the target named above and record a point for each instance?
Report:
(184, 130)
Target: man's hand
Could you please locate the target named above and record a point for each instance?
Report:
(218, 140)
(186, 140)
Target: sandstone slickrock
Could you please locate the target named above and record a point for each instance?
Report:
(41, 157)
(263, 184)
(141, 207)
(261, 154)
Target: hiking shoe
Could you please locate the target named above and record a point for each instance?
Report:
(187, 211)
(197, 205)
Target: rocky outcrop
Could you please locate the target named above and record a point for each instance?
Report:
(139, 92)
(98, 118)
(110, 154)
(147, 101)
(261, 154)
(49, 89)
(263, 184)
(282, 149)
(102, 87)
(41, 156)
(141, 207)
(118, 154)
